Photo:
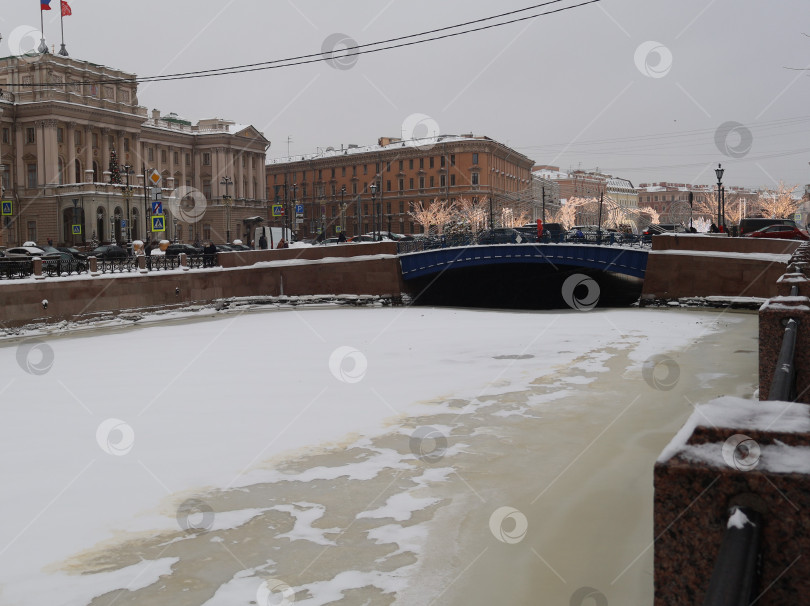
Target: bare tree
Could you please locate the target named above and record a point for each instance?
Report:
(778, 203)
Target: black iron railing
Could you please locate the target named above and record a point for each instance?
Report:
(736, 571)
(17, 268)
(448, 241)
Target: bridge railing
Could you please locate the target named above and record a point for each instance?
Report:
(484, 238)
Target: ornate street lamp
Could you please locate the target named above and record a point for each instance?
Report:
(719, 172)
(373, 188)
(342, 210)
(128, 196)
(226, 201)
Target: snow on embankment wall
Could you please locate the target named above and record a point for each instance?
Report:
(701, 266)
(77, 297)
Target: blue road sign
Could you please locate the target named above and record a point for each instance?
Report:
(8, 207)
(278, 210)
(123, 223)
(299, 209)
(157, 208)
(77, 230)
(158, 223)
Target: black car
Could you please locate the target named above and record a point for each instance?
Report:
(504, 235)
(108, 252)
(175, 249)
(239, 247)
(73, 251)
(751, 224)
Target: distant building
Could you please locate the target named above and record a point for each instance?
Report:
(332, 187)
(60, 119)
(671, 200)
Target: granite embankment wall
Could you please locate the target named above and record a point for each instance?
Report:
(370, 269)
(692, 265)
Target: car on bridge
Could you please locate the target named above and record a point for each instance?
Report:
(504, 235)
(780, 231)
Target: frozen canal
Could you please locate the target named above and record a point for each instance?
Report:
(351, 456)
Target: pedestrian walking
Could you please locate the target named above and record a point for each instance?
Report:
(263, 242)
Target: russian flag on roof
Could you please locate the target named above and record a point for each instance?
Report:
(45, 5)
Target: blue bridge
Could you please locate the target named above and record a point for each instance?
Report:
(520, 275)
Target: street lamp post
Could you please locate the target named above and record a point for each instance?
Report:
(373, 188)
(343, 210)
(287, 218)
(128, 195)
(226, 200)
(719, 172)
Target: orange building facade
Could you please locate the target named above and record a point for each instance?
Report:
(332, 190)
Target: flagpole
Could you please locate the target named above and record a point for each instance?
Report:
(43, 48)
(63, 50)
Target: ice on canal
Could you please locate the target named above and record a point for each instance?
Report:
(350, 456)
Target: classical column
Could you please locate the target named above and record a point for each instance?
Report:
(88, 150)
(105, 152)
(122, 156)
(20, 179)
(51, 152)
(70, 143)
(197, 181)
(182, 159)
(215, 176)
(238, 175)
(250, 193)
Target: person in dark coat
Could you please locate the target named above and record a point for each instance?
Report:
(713, 229)
(263, 242)
(209, 255)
(321, 237)
(341, 237)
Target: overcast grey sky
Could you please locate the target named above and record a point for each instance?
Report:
(638, 88)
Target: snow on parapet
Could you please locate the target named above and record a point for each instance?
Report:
(737, 413)
(738, 520)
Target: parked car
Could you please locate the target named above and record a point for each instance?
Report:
(664, 228)
(108, 252)
(223, 248)
(77, 254)
(175, 249)
(25, 252)
(362, 238)
(781, 231)
(239, 247)
(502, 235)
(589, 233)
(751, 224)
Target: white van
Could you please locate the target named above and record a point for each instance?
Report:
(273, 235)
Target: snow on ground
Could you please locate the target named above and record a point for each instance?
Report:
(109, 433)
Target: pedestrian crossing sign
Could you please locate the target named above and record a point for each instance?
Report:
(77, 230)
(158, 223)
(8, 207)
(278, 210)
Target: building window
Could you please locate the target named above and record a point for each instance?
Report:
(421, 183)
(388, 167)
(442, 161)
(388, 185)
(207, 159)
(431, 161)
(30, 135)
(4, 179)
(176, 159)
(32, 231)
(442, 180)
(6, 135)
(163, 156)
(354, 187)
(333, 173)
(206, 231)
(475, 158)
(401, 184)
(365, 169)
(354, 171)
(126, 145)
(452, 159)
(95, 139)
(410, 165)
(32, 178)
(60, 135)
(401, 164)
(207, 189)
(334, 189)
(474, 177)
(342, 172)
(365, 210)
(151, 154)
(432, 181)
(452, 180)
(320, 174)
(401, 206)
(188, 159)
(388, 208)
(421, 163)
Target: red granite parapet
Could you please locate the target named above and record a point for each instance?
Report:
(695, 487)
(773, 315)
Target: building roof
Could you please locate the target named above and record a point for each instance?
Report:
(390, 145)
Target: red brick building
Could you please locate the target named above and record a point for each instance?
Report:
(334, 186)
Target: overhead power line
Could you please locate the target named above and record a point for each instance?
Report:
(354, 51)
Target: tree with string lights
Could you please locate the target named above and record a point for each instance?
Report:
(115, 172)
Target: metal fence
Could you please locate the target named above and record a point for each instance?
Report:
(484, 238)
(24, 268)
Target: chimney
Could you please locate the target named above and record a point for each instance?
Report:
(155, 115)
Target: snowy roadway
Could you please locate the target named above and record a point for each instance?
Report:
(360, 456)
